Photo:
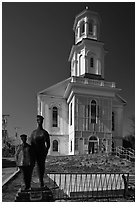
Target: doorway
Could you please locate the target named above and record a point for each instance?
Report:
(93, 145)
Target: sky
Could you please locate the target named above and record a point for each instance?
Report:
(36, 43)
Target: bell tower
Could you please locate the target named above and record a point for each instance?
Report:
(87, 54)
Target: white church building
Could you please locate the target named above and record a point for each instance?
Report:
(84, 113)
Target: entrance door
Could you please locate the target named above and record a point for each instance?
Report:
(93, 145)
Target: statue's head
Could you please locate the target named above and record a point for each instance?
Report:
(40, 119)
(23, 138)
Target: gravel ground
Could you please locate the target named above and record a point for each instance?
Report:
(89, 163)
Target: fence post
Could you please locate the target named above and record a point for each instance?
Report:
(125, 184)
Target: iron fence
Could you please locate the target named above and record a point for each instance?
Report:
(85, 186)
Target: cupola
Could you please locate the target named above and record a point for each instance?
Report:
(87, 25)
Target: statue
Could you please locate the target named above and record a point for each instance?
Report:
(40, 144)
(30, 154)
(23, 160)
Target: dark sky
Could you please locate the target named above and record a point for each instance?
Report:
(36, 43)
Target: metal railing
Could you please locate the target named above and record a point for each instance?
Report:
(131, 150)
(86, 186)
(128, 154)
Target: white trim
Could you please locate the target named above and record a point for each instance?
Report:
(93, 140)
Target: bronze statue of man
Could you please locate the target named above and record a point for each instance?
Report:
(23, 160)
(40, 144)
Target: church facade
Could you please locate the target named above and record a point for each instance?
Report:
(84, 113)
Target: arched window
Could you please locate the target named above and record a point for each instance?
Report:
(87, 116)
(113, 121)
(55, 146)
(71, 146)
(93, 111)
(80, 64)
(76, 33)
(82, 28)
(90, 25)
(55, 117)
(91, 62)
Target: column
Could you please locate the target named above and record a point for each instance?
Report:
(86, 26)
(78, 30)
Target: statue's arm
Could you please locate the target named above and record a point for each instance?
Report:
(47, 138)
(30, 138)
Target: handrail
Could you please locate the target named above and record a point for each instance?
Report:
(121, 151)
(131, 150)
(126, 149)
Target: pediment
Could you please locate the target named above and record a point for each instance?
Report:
(56, 89)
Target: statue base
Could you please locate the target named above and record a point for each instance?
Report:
(34, 195)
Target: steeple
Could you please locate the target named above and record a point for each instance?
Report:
(87, 54)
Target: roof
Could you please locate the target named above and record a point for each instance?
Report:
(83, 43)
(121, 99)
(86, 12)
(63, 88)
(56, 89)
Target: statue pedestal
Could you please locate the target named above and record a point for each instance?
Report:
(34, 195)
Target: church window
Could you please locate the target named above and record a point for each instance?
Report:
(40, 107)
(71, 146)
(71, 114)
(87, 114)
(93, 111)
(92, 62)
(86, 141)
(98, 111)
(80, 64)
(90, 27)
(113, 121)
(55, 146)
(82, 28)
(76, 33)
(55, 117)
(76, 143)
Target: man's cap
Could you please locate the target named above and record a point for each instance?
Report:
(23, 135)
(40, 116)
